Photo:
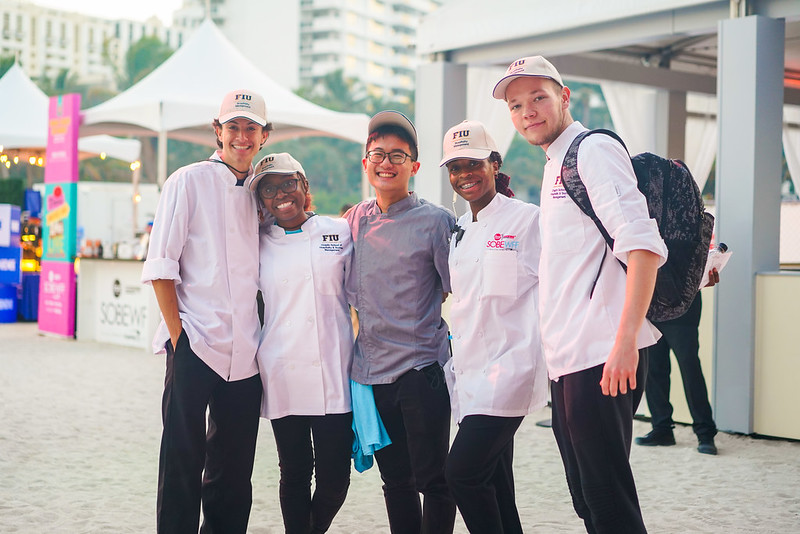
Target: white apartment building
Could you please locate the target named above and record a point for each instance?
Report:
(45, 41)
(296, 42)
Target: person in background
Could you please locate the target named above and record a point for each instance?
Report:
(497, 373)
(681, 336)
(209, 328)
(306, 345)
(397, 284)
(592, 312)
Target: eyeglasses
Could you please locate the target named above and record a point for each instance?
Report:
(269, 191)
(396, 158)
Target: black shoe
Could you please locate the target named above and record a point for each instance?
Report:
(706, 446)
(657, 437)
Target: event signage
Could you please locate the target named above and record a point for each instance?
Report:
(9, 225)
(62, 139)
(60, 223)
(121, 310)
(10, 272)
(57, 298)
(59, 217)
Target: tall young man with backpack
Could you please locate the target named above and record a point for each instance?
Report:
(592, 311)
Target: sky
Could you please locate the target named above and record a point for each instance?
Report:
(139, 10)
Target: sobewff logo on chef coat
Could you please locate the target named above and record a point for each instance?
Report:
(503, 242)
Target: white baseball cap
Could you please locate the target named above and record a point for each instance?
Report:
(243, 103)
(535, 66)
(278, 163)
(468, 139)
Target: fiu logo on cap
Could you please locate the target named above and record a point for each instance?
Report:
(516, 66)
(243, 97)
(460, 133)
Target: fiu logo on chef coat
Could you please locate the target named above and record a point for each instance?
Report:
(330, 243)
(502, 241)
(558, 190)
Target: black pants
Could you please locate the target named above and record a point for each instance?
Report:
(683, 340)
(415, 410)
(593, 432)
(328, 459)
(211, 464)
(479, 471)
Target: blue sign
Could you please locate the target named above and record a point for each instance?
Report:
(9, 225)
(10, 272)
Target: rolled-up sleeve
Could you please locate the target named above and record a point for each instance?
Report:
(606, 169)
(169, 234)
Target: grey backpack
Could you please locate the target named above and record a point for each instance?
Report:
(674, 201)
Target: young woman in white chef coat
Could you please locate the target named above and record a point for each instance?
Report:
(497, 373)
(306, 345)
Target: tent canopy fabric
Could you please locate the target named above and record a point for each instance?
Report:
(23, 121)
(182, 96)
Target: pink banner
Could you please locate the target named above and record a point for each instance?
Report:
(57, 298)
(61, 163)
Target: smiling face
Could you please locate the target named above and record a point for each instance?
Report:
(473, 180)
(390, 180)
(539, 109)
(287, 208)
(241, 140)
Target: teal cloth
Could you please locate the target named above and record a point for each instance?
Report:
(368, 430)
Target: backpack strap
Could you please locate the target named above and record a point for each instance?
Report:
(576, 190)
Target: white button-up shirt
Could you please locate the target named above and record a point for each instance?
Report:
(497, 366)
(578, 332)
(307, 341)
(205, 238)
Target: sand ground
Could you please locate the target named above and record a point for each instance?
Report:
(80, 426)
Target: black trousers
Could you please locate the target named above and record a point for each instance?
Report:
(328, 459)
(682, 338)
(479, 471)
(593, 432)
(210, 464)
(415, 410)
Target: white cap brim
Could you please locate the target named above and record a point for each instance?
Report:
(244, 115)
(467, 153)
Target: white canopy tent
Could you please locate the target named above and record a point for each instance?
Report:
(181, 97)
(23, 122)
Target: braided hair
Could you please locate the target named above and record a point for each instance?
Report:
(501, 180)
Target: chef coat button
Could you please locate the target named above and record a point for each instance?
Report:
(308, 277)
(316, 363)
(310, 320)
(285, 281)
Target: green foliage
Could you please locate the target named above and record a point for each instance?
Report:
(12, 191)
(525, 164)
(142, 58)
(6, 62)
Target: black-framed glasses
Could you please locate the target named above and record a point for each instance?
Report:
(269, 191)
(396, 158)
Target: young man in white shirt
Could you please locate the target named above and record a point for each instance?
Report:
(203, 265)
(594, 333)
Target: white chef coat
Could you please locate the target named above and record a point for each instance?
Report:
(497, 366)
(578, 332)
(307, 340)
(205, 238)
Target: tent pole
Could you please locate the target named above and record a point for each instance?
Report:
(162, 158)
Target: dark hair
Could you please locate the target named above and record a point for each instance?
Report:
(216, 124)
(391, 129)
(501, 181)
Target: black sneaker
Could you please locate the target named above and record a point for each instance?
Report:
(657, 437)
(706, 446)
